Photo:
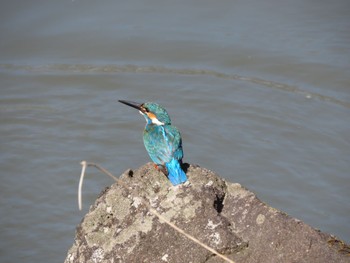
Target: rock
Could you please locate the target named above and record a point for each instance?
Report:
(230, 219)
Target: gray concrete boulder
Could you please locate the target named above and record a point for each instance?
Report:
(223, 215)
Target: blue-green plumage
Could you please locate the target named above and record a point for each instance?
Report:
(162, 140)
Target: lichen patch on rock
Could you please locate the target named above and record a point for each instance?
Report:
(226, 216)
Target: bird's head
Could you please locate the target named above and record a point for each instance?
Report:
(153, 112)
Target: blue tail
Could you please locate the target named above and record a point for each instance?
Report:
(175, 173)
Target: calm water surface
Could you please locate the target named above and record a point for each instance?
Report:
(260, 92)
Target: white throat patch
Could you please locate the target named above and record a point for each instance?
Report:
(154, 120)
(157, 122)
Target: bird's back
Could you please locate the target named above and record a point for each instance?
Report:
(163, 143)
(164, 146)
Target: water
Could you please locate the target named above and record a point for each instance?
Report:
(259, 90)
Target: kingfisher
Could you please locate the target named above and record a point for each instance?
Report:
(162, 140)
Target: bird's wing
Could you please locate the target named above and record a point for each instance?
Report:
(163, 143)
(174, 139)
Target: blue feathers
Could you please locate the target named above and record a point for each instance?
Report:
(162, 140)
(164, 146)
(175, 173)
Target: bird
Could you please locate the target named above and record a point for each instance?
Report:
(162, 140)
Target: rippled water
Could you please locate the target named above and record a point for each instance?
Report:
(259, 91)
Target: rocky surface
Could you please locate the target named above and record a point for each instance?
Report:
(223, 215)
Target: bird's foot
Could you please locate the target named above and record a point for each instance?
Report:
(156, 166)
(161, 168)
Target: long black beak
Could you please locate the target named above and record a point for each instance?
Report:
(132, 104)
